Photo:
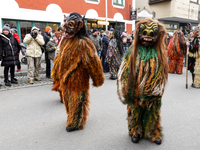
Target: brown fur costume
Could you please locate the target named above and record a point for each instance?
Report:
(176, 51)
(76, 62)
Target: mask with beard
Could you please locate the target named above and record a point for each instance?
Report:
(148, 33)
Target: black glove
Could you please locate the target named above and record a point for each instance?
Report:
(34, 34)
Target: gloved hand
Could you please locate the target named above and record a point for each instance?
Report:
(34, 34)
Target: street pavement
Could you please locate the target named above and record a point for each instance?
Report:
(33, 118)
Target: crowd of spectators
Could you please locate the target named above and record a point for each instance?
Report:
(48, 44)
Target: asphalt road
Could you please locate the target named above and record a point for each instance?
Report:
(34, 119)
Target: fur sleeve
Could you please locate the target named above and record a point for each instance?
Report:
(92, 62)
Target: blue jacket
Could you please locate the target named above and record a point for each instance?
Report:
(105, 42)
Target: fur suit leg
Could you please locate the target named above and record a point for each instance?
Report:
(179, 66)
(172, 65)
(144, 120)
(135, 121)
(77, 106)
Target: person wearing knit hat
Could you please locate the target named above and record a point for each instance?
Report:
(47, 36)
(9, 49)
(16, 35)
(96, 39)
(48, 28)
(95, 30)
(34, 43)
(34, 28)
(6, 27)
(111, 29)
(13, 30)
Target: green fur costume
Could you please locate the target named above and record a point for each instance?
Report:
(141, 80)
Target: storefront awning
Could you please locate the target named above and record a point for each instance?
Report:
(179, 20)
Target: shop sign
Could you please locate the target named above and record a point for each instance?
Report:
(102, 23)
(133, 15)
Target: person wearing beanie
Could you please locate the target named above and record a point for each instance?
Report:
(48, 28)
(47, 36)
(111, 29)
(9, 49)
(96, 39)
(34, 42)
(14, 33)
(105, 41)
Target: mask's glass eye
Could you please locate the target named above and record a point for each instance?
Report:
(156, 30)
(71, 25)
(142, 27)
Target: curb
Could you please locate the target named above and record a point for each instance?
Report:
(22, 73)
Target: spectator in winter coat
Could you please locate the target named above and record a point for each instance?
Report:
(124, 44)
(34, 42)
(47, 36)
(129, 41)
(9, 49)
(97, 41)
(14, 33)
(105, 42)
(59, 34)
(132, 35)
(91, 31)
(102, 34)
(51, 48)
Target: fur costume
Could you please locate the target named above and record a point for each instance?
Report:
(176, 51)
(75, 63)
(194, 59)
(114, 54)
(141, 80)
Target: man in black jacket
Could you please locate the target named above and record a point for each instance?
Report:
(47, 36)
(96, 39)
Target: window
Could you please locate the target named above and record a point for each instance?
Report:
(194, 1)
(41, 26)
(12, 24)
(93, 1)
(25, 28)
(157, 1)
(118, 2)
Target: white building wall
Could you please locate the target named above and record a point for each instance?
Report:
(53, 13)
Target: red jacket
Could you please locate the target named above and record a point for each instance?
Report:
(17, 37)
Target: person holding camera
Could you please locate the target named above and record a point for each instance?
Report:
(34, 42)
(9, 49)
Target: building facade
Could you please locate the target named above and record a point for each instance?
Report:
(23, 14)
(175, 14)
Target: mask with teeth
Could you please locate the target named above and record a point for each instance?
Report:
(148, 33)
(72, 24)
